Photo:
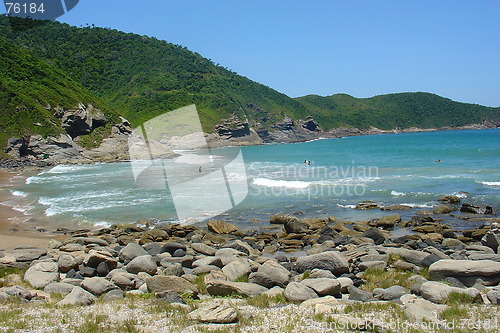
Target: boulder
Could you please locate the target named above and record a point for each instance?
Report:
(375, 264)
(282, 219)
(124, 280)
(494, 296)
(437, 292)
(41, 274)
(356, 294)
(323, 286)
(296, 292)
(240, 246)
(449, 199)
(448, 267)
(367, 205)
(95, 257)
(237, 269)
(23, 254)
(208, 261)
(144, 263)
(171, 247)
(97, 285)
(389, 294)
(58, 287)
(225, 288)
(476, 209)
(421, 310)
(330, 260)
(131, 251)
(66, 263)
(113, 295)
(215, 312)
(275, 272)
(173, 269)
(203, 249)
(221, 227)
(492, 239)
(386, 222)
(160, 283)
(396, 207)
(321, 273)
(441, 209)
(78, 296)
(295, 227)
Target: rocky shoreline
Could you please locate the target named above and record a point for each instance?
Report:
(315, 272)
(37, 152)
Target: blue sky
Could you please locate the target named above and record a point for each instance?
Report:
(359, 47)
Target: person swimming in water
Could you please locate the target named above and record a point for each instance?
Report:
(437, 161)
(307, 162)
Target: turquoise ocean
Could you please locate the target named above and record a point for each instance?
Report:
(387, 169)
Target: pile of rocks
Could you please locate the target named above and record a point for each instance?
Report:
(174, 260)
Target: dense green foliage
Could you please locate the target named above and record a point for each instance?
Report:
(392, 111)
(29, 89)
(144, 77)
(46, 63)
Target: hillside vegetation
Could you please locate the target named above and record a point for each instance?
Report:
(403, 110)
(47, 63)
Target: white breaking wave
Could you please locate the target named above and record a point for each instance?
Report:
(490, 183)
(280, 183)
(397, 194)
(347, 206)
(19, 194)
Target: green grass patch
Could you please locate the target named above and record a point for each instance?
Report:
(380, 278)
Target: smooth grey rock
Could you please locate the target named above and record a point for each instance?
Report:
(124, 280)
(323, 286)
(97, 285)
(131, 251)
(72, 247)
(321, 273)
(297, 292)
(58, 287)
(160, 283)
(95, 257)
(41, 274)
(225, 288)
(171, 247)
(214, 312)
(28, 254)
(66, 262)
(345, 282)
(204, 249)
(78, 296)
(437, 292)
(492, 239)
(494, 296)
(212, 261)
(205, 269)
(144, 263)
(372, 265)
(18, 291)
(173, 269)
(357, 294)
(237, 269)
(444, 268)
(3, 296)
(240, 246)
(113, 294)
(330, 260)
(275, 273)
(389, 294)
(421, 310)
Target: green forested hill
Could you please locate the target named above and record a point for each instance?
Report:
(50, 63)
(30, 88)
(403, 110)
(144, 77)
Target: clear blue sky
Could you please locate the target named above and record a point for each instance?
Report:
(359, 47)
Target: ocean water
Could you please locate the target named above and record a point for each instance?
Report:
(388, 169)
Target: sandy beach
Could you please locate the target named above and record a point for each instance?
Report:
(13, 228)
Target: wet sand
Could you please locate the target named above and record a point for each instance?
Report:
(14, 230)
